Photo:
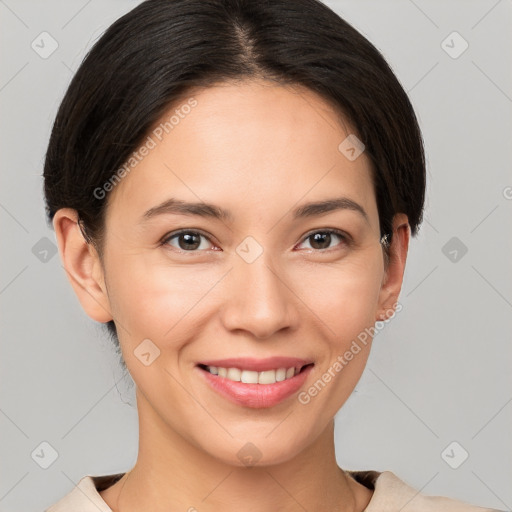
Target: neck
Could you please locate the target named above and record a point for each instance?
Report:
(173, 474)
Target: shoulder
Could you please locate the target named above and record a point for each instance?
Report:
(85, 496)
(391, 494)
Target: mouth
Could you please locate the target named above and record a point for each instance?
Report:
(255, 383)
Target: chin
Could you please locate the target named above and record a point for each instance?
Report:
(261, 450)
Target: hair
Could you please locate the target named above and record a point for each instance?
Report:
(149, 59)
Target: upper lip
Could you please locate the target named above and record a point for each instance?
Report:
(258, 365)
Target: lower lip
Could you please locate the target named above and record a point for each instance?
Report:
(257, 396)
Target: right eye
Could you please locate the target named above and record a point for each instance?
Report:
(187, 240)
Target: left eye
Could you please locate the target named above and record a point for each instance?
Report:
(190, 241)
(321, 240)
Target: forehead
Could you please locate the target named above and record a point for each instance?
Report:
(249, 146)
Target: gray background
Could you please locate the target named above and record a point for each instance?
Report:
(438, 373)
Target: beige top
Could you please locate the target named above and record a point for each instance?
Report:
(390, 495)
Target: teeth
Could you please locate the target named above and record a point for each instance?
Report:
(280, 374)
(252, 377)
(267, 377)
(249, 377)
(234, 374)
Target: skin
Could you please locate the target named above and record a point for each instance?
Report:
(259, 150)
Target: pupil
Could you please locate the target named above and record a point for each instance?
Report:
(189, 244)
(317, 237)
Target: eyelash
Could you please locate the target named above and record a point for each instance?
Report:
(346, 240)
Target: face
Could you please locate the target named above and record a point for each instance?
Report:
(270, 285)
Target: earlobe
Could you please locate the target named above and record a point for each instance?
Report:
(82, 265)
(393, 275)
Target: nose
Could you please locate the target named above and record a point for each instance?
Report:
(259, 299)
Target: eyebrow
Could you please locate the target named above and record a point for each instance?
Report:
(201, 209)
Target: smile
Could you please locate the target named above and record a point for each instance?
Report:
(255, 383)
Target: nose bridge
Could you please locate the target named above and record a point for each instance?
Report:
(259, 297)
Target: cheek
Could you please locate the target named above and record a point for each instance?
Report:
(345, 295)
(154, 301)
(346, 301)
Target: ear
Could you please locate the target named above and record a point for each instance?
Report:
(82, 265)
(394, 271)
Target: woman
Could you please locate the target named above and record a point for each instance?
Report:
(233, 185)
